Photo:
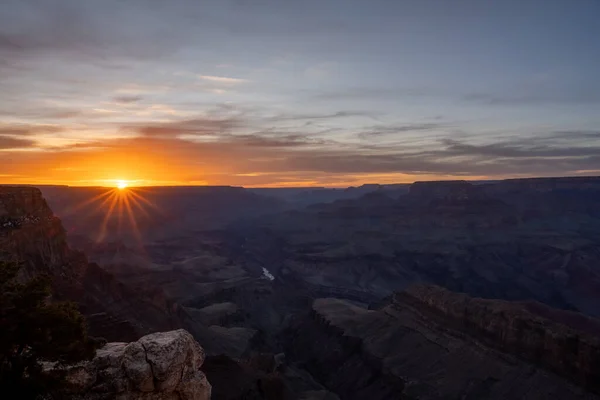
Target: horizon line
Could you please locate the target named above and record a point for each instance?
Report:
(91, 186)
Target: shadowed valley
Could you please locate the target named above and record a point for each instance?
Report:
(426, 291)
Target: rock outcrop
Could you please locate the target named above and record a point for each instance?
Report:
(407, 350)
(159, 366)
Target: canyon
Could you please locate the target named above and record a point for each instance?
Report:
(424, 291)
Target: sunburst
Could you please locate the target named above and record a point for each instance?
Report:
(122, 201)
(122, 184)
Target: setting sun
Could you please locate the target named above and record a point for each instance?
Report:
(122, 184)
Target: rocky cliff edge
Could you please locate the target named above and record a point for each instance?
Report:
(159, 366)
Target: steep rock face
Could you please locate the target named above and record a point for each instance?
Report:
(404, 350)
(32, 235)
(531, 331)
(338, 360)
(30, 232)
(234, 379)
(160, 366)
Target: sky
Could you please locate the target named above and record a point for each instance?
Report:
(297, 93)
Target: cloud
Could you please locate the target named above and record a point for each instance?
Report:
(525, 149)
(537, 97)
(127, 99)
(575, 135)
(228, 122)
(28, 130)
(370, 93)
(334, 115)
(14, 131)
(221, 153)
(191, 127)
(282, 141)
(223, 79)
(11, 142)
(383, 130)
(235, 141)
(84, 31)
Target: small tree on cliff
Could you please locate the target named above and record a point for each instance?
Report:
(33, 330)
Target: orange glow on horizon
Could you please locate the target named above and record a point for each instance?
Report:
(144, 162)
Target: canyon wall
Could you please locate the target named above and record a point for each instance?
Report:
(33, 236)
(406, 349)
(533, 332)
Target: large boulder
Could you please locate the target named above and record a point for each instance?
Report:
(159, 366)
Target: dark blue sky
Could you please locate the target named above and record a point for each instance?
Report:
(269, 92)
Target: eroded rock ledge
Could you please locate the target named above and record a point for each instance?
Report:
(409, 350)
(564, 342)
(159, 366)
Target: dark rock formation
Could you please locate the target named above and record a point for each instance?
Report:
(245, 379)
(440, 189)
(337, 359)
(32, 235)
(261, 376)
(408, 350)
(546, 185)
(455, 204)
(561, 341)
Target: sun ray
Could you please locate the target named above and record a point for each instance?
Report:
(138, 206)
(106, 201)
(142, 189)
(112, 193)
(77, 207)
(145, 201)
(133, 222)
(120, 212)
(114, 203)
(106, 217)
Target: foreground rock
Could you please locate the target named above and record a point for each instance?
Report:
(159, 366)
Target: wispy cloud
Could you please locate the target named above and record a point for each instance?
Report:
(536, 97)
(192, 127)
(223, 79)
(331, 116)
(384, 130)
